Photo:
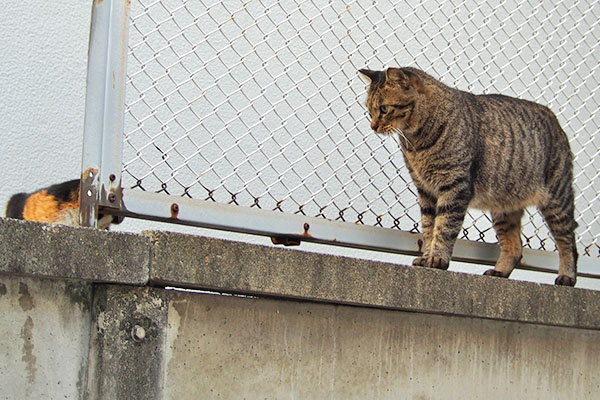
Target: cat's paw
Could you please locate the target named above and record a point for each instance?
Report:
(564, 280)
(493, 272)
(432, 262)
(420, 261)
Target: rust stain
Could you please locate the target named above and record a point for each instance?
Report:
(306, 228)
(174, 210)
(420, 244)
(86, 198)
(89, 174)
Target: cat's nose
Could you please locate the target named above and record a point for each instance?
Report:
(374, 125)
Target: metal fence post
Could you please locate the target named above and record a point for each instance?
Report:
(105, 96)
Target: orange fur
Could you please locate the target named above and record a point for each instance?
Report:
(43, 207)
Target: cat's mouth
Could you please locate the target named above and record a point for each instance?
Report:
(401, 136)
(388, 130)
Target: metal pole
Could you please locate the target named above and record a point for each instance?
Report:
(105, 95)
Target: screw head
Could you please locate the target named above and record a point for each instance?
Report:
(112, 197)
(138, 333)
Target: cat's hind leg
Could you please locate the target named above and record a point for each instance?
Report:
(508, 230)
(560, 219)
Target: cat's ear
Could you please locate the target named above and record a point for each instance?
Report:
(370, 76)
(404, 78)
(398, 77)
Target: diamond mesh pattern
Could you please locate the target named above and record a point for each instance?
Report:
(258, 102)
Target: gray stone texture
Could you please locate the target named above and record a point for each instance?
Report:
(127, 346)
(56, 251)
(379, 330)
(44, 338)
(214, 264)
(221, 347)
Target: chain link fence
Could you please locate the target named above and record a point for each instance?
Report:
(258, 103)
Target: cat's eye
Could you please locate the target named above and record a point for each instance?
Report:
(383, 109)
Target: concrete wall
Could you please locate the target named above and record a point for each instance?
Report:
(86, 315)
(44, 338)
(292, 350)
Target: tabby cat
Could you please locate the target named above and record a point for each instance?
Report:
(491, 152)
(55, 204)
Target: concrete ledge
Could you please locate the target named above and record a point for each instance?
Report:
(56, 251)
(163, 258)
(204, 263)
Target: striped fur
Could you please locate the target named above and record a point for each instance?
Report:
(57, 204)
(491, 152)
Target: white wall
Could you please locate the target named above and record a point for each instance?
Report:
(43, 69)
(43, 60)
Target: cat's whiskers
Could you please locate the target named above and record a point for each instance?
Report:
(401, 136)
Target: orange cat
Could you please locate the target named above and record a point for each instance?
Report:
(58, 204)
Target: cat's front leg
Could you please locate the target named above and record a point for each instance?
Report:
(449, 216)
(427, 203)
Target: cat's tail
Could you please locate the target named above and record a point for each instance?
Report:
(16, 205)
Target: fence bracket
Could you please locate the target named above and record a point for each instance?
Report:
(286, 240)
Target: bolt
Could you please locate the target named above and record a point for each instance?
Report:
(138, 333)
(306, 227)
(112, 177)
(112, 197)
(420, 244)
(174, 210)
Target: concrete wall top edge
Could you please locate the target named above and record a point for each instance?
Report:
(65, 252)
(215, 264)
(163, 258)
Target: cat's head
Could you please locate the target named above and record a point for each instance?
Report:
(395, 98)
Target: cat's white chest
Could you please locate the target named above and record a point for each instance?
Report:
(70, 217)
